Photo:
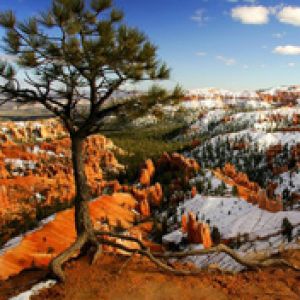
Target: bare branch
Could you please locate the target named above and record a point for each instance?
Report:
(154, 257)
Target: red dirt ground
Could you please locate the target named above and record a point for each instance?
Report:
(141, 280)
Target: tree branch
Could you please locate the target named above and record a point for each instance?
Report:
(154, 257)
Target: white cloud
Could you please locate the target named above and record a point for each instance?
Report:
(287, 50)
(245, 67)
(227, 61)
(200, 17)
(201, 53)
(289, 15)
(291, 65)
(259, 14)
(255, 15)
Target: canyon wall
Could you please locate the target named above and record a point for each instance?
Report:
(250, 191)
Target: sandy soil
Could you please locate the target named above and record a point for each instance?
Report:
(140, 280)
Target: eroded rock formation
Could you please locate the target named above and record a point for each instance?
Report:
(250, 191)
(39, 247)
(147, 173)
(176, 161)
(36, 170)
(197, 232)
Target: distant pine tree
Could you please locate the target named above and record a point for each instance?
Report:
(287, 229)
(216, 235)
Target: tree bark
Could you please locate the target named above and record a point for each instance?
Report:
(83, 224)
(83, 221)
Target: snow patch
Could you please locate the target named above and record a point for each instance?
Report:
(34, 290)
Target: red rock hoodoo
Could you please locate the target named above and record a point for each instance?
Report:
(250, 191)
(197, 232)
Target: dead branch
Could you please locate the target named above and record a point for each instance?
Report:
(267, 261)
(121, 236)
(156, 257)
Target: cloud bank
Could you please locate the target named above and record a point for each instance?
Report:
(287, 50)
(256, 15)
(290, 15)
(259, 14)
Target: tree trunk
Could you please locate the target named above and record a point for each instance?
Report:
(86, 239)
(83, 221)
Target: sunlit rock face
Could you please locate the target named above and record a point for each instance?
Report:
(197, 232)
(36, 173)
(147, 197)
(250, 191)
(144, 208)
(36, 168)
(39, 247)
(194, 192)
(147, 173)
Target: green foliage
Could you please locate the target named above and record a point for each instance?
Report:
(234, 191)
(178, 93)
(12, 41)
(157, 93)
(7, 71)
(7, 19)
(100, 5)
(90, 54)
(143, 143)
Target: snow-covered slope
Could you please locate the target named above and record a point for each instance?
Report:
(290, 180)
(213, 93)
(257, 119)
(234, 216)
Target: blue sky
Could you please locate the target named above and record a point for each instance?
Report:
(234, 44)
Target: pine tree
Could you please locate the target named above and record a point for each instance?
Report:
(234, 191)
(287, 229)
(77, 50)
(178, 93)
(216, 235)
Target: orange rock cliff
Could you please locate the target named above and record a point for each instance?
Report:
(250, 191)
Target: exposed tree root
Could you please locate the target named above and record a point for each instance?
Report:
(100, 238)
(97, 253)
(249, 263)
(156, 257)
(83, 243)
(57, 263)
